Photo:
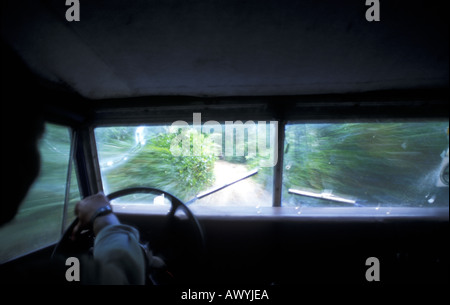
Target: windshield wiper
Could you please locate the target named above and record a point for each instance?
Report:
(325, 196)
(216, 189)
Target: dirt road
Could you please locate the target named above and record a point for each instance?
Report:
(244, 193)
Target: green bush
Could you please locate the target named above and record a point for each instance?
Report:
(155, 165)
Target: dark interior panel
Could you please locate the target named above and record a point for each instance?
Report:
(266, 251)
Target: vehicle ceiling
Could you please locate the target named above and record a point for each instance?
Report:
(230, 47)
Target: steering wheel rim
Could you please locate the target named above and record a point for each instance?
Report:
(176, 204)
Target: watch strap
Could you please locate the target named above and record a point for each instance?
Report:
(102, 211)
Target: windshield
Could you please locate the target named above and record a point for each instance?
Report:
(153, 156)
(366, 164)
(395, 164)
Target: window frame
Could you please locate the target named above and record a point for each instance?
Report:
(284, 110)
(71, 166)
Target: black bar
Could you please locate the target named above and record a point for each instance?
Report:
(202, 195)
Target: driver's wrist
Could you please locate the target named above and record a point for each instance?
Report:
(103, 221)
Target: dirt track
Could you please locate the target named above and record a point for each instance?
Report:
(243, 193)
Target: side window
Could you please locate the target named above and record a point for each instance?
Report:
(39, 221)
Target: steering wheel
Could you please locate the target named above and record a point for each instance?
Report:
(183, 240)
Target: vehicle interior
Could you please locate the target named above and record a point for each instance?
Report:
(249, 142)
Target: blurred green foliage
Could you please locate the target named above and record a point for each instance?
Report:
(153, 164)
(39, 220)
(377, 163)
(388, 163)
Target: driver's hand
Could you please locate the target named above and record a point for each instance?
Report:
(86, 208)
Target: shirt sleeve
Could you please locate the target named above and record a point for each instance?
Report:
(118, 258)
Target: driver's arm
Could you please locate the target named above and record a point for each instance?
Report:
(118, 257)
